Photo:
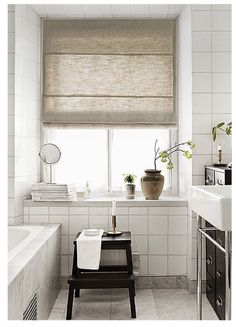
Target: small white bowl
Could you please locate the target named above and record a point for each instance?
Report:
(91, 232)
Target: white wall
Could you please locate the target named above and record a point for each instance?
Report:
(159, 231)
(185, 114)
(204, 33)
(211, 91)
(211, 57)
(24, 106)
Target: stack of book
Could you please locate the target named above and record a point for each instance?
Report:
(53, 192)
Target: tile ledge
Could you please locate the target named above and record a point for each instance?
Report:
(167, 201)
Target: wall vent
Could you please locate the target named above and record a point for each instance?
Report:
(30, 312)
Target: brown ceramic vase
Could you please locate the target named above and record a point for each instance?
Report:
(152, 184)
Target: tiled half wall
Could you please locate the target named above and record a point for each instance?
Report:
(159, 230)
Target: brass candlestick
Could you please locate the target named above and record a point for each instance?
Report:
(219, 156)
(114, 232)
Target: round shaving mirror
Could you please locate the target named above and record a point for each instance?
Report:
(50, 155)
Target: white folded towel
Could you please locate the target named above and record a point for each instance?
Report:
(89, 251)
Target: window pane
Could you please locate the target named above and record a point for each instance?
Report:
(133, 151)
(84, 156)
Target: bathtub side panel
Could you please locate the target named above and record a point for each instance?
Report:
(49, 281)
(15, 298)
(41, 275)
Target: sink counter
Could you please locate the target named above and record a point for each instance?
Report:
(213, 203)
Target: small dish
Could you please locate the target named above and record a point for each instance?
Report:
(91, 232)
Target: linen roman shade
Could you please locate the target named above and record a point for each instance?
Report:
(109, 72)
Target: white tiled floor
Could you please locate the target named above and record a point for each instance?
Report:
(113, 304)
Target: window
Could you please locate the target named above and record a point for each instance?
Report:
(113, 76)
(101, 156)
(84, 156)
(132, 151)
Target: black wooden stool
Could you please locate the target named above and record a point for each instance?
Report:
(110, 276)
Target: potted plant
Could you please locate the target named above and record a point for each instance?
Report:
(152, 182)
(130, 186)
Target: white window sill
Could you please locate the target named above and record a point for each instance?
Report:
(165, 201)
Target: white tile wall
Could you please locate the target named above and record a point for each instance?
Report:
(201, 103)
(177, 265)
(201, 41)
(158, 225)
(201, 82)
(158, 265)
(201, 20)
(221, 41)
(63, 220)
(177, 225)
(198, 163)
(201, 62)
(77, 223)
(221, 7)
(154, 231)
(24, 104)
(158, 244)
(140, 244)
(221, 20)
(221, 103)
(211, 96)
(201, 123)
(203, 144)
(221, 83)
(201, 7)
(221, 62)
(178, 210)
(98, 221)
(78, 210)
(138, 224)
(178, 245)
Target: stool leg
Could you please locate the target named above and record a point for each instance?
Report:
(77, 292)
(70, 302)
(132, 302)
(129, 259)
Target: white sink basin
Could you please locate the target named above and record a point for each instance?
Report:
(213, 203)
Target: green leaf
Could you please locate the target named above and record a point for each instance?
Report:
(170, 165)
(228, 130)
(213, 132)
(220, 125)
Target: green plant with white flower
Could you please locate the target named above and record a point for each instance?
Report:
(166, 155)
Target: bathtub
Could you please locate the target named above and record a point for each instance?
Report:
(19, 237)
(33, 270)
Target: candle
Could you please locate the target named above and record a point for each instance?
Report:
(113, 207)
(219, 147)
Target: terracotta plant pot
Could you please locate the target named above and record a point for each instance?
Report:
(152, 184)
(130, 191)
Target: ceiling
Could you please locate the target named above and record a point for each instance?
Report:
(108, 11)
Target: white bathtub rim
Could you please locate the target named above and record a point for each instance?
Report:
(34, 231)
(18, 262)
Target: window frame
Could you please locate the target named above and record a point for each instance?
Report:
(173, 190)
(173, 173)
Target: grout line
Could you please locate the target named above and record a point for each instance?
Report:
(211, 86)
(168, 225)
(148, 236)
